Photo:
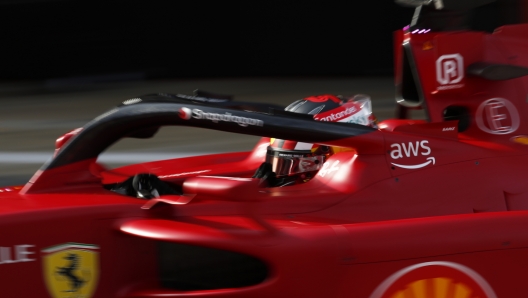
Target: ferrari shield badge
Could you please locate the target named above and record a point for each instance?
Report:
(71, 270)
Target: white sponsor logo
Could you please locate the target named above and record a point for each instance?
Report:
(449, 87)
(411, 150)
(327, 169)
(412, 167)
(497, 116)
(450, 70)
(16, 254)
(448, 129)
(187, 114)
(339, 115)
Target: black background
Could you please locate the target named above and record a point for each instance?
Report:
(61, 39)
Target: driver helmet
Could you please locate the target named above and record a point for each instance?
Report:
(291, 158)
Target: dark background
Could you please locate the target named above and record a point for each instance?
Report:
(113, 40)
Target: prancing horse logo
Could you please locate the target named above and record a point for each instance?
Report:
(68, 272)
(71, 269)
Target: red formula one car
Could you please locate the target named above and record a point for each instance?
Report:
(413, 208)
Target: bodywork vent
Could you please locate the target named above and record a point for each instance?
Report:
(190, 268)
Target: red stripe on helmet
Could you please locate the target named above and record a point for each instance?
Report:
(289, 145)
(323, 98)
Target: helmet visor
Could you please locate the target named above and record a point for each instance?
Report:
(287, 163)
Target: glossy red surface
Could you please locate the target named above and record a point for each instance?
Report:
(417, 209)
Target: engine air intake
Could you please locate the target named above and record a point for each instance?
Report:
(190, 268)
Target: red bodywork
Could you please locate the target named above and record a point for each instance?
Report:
(419, 209)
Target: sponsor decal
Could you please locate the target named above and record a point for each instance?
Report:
(449, 87)
(450, 71)
(434, 280)
(350, 112)
(186, 113)
(449, 128)
(327, 169)
(520, 140)
(410, 149)
(497, 116)
(336, 116)
(71, 270)
(16, 254)
(290, 155)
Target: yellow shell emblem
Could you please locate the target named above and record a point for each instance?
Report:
(435, 288)
(520, 140)
(437, 279)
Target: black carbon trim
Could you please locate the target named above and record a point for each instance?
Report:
(409, 91)
(128, 120)
(497, 72)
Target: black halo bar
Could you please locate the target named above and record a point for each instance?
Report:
(137, 116)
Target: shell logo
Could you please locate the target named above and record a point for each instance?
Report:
(439, 287)
(434, 280)
(520, 140)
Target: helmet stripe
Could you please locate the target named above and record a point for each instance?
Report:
(303, 146)
(289, 145)
(277, 143)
